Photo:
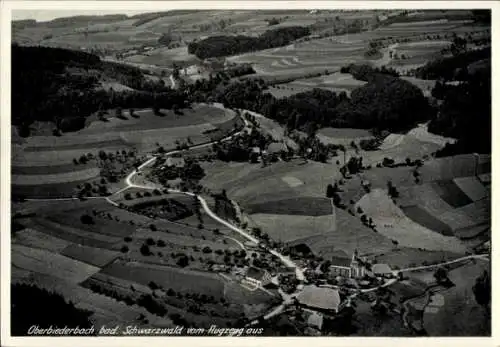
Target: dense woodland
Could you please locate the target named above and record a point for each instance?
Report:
(219, 46)
(62, 86)
(32, 306)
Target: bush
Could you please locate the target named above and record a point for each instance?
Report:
(145, 250)
(150, 242)
(124, 249)
(161, 243)
(86, 219)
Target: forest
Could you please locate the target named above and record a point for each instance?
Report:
(61, 86)
(219, 46)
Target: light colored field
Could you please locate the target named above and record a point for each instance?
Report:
(79, 175)
(287, 228)
(45, 262)
(391, 222)
(345, 236)
(35, 239)
(472, 187)
(165, 57)
(421, 132)
(273, 129)
(292, 181)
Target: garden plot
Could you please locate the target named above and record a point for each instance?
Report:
(391, 222)
(49, 263)
(342, 136)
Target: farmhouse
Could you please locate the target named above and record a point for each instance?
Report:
(258, 276)
(382, 270)
(277, 148)
(326, 300)
(175, 162)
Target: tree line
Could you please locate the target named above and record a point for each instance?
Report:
(219, 46)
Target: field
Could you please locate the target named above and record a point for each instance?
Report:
(393, 223)
(49, 263)
(93, 256)
(461, 313)
(177, 279)
(43, 166)
(303, 206)
(336, 82)
(424, 218)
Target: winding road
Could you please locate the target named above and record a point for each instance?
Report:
(287, 298)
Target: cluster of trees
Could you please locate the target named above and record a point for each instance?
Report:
(44, 89)
(33, 306)
(218, 46)
(385, 102)
(366, 72)
(241, 148)
(452, 68)
(465, 114)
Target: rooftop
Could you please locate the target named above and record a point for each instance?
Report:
(341, 261)
(321, 298)
(381, 269)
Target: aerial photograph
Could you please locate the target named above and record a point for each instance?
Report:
(239, 173)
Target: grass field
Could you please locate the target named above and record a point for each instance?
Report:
(460, 315)
(43, 261)
(451, 193)
(391, 222)
(43, 165)
(177, 279)
(94, 256)
(35, 239)
(303, 206)
(423, 217)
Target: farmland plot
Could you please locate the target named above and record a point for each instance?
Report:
(391, 222)
(49, 263)
(89, 255)
(451, 193)
(472, 187)
(35, 239)
(177, 279)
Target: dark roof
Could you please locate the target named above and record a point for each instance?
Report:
(255, 273)
(341, 261)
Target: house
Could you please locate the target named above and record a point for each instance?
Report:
(258, 276)
(320, 299)
(277, 148)
(347, 267)
(382, 270)
(177, 162)
(314, 320)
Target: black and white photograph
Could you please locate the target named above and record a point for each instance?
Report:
(253, 172)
